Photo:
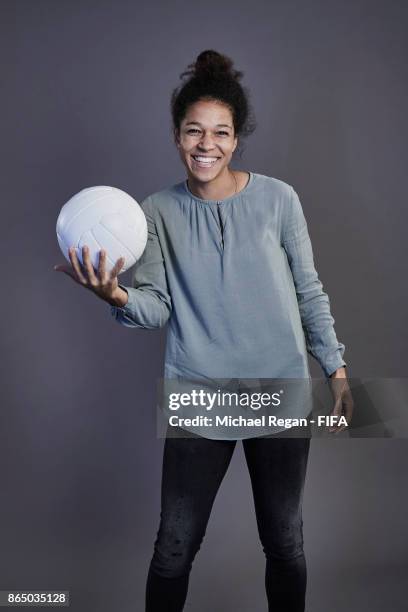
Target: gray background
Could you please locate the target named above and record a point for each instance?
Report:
(85, 101)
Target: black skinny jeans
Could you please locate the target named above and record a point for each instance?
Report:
(193, 469)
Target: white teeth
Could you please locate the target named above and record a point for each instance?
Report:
(205, 160)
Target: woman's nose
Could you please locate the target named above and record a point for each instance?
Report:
(206, 142)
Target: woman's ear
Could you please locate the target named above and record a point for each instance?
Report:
(176, 138)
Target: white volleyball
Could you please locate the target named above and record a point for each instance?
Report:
(103, 218)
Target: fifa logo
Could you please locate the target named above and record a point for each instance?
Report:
(331, 420)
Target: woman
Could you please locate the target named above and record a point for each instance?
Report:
(229, 265)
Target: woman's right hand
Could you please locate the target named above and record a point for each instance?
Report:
(104, 284)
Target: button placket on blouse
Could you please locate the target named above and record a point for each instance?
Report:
(221, 225)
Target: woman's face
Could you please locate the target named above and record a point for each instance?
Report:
(206, 140)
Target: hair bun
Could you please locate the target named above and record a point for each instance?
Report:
(212, 63)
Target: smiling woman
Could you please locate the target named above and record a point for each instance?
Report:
(211, 111)
(206, 150)
(229, 264)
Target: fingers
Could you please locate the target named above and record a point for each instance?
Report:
(67, 270)
(102, 274)
(85, 274)
(77, 268)
(349, 407)
(344, 406)
(93, 281)
(102, 267)
(117, 267)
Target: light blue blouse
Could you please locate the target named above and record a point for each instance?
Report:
(236, 282)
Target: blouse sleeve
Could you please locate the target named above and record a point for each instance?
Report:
(149, 303)
(314, 304)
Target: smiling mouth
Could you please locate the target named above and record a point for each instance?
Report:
(204, 161)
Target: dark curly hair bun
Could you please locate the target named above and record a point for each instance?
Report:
(213, 64)
(213, 77)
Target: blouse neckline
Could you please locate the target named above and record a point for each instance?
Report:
(229, 199)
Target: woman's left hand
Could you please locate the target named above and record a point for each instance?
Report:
(343, 400)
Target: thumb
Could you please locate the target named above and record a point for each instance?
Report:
(66, 269)
(61, 268)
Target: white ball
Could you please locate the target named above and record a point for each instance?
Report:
(103, 218)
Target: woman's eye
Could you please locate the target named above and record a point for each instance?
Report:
(194, 131)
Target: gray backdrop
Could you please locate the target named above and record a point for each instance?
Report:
(85, 101)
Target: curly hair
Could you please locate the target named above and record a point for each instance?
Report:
(212, 77)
